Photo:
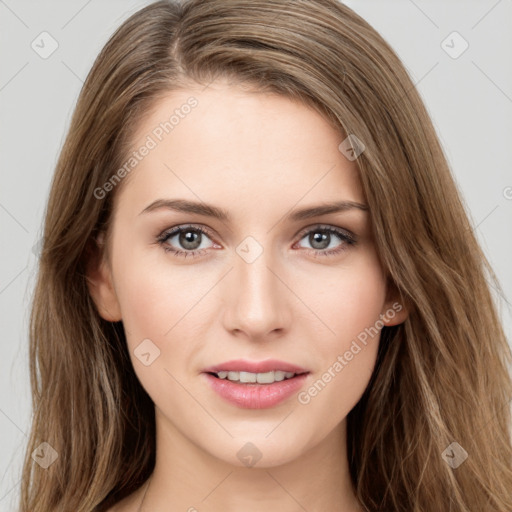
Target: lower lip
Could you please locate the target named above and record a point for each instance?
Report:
(256, 396)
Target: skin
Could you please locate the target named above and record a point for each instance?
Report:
(258, 156)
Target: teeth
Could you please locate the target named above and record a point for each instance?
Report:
(245, 377)
(260, 378)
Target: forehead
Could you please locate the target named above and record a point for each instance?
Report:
(228, 145)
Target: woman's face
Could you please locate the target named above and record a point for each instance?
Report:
(265, 282)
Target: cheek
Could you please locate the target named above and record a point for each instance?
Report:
(154, 309)
(169, 306)
(153, 295)
(146, 304)
(350, 307)
(347, 299)
(356, 302)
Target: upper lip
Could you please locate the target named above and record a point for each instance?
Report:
(244, 365)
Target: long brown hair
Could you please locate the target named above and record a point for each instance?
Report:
(442, 377)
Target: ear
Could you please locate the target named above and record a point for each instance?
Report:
(395, 310)
(100, 283)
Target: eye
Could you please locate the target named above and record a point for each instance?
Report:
(189, 238)
(321, 238)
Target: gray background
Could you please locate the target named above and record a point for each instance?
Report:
(468, 97)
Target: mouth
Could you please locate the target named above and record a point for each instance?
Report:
(255, 378)
(255, 385)
(246, 366)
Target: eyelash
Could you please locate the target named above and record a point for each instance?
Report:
(347, 238)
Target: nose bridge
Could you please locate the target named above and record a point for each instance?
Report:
(258, 299)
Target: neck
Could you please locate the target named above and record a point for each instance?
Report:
(187, 477)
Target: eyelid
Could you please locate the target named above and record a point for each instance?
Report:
(180, 227)
(169, 232)
(327, 227)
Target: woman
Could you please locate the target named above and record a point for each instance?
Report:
(190, 352)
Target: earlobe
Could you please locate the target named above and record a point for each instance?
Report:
(395, 310)
(394, 314)
(100, 283)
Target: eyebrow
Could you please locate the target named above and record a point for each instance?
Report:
(208, 210)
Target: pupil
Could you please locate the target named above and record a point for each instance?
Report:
(188, 239)
(320, 239)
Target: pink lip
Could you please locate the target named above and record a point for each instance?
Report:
(256, 396)
(243, 365)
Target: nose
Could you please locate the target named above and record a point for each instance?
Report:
(257, 301)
